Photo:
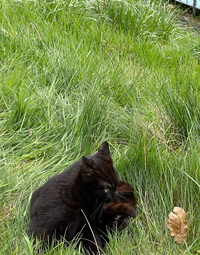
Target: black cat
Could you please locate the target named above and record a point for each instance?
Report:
(83, 200)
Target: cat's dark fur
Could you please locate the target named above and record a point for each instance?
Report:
(61, 206)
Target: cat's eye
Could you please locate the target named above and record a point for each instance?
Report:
(106, 190)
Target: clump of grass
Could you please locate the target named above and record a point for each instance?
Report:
(74, 74)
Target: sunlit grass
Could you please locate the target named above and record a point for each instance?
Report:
(74, 74)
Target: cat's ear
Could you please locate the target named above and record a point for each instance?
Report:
(104, 149)
(88, 165)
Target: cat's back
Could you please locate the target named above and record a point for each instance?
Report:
(65, 178)
(51, 191)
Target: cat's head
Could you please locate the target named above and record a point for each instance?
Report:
(99, 175)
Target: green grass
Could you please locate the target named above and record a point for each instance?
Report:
(77, 73)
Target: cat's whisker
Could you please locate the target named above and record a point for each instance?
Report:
(125, 192)
(124, 197)
(100, 206)
(101, 212)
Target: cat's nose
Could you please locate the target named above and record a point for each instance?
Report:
(111, 196)
(115, 196)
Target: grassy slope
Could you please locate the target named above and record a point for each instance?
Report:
(74, 74)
